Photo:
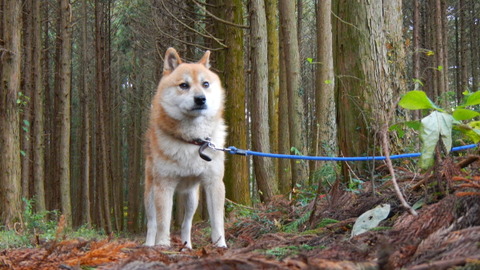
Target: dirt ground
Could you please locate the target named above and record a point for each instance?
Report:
(282, 235)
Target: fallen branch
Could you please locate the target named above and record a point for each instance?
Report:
(467, 161)
(444, 264)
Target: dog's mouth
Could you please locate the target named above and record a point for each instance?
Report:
(199, 107)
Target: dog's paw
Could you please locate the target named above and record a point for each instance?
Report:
(163, 243)
(186, 246)
(149, 243)
(221, 246)
(221, 243)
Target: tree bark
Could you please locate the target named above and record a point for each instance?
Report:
(295, 97)
(416, 51)
(267, 185)
(65, 77)
(440, 55)
(474, 45)
(364, 90)
(39, 111)
(463, 50)
(103, 172)
(26, 105)
(10, 56)
(273, 54)
(285, 183)
(325, 141)
(86, 141)
(236, 167)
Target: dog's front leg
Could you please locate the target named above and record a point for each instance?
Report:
(163, 206)
(191, 204)
(151, 218)
(215, 197)
(149, 200)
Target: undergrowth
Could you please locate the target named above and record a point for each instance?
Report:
(279, 215)
(286, 251)
(38, 227)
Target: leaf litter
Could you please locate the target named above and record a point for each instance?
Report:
(286, 235)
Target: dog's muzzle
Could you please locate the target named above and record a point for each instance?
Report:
(200, 102)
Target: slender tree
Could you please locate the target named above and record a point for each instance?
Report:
(285, 183)
(463, 49)
(27, 106)
(264, 168)
(295, 99)
(474, 44)
(273, 54)
(10, 57)
(416, 49)
(325, 142)
(231, 61)
(440, 56)
(86, 217)
(102, 87)
(64, 130)
(39, 110)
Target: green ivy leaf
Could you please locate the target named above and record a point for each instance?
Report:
(416, 100)
(399, 128)
(416, 125)
(474, 124)
(472, 133)
(464, 114)
(310, 60)
(473, 99)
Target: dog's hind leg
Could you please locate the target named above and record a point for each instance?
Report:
(191, 203)
(215, 196)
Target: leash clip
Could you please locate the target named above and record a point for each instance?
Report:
(206, 143)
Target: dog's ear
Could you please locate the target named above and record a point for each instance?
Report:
(205, 59)
(172, 60)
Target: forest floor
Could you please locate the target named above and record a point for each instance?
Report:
(282, 235)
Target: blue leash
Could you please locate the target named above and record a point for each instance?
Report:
(233, 150)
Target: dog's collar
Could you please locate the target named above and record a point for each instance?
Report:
(203, 143)
(199, 141)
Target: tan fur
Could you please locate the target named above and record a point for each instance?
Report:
(172, 163)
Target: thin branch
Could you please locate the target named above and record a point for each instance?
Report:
(386, 151)
(219, 19)
(186, 42)
(347, 23)
(192, 29)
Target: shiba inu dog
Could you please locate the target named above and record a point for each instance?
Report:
(186, 110)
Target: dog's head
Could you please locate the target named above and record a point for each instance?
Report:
(189, 89)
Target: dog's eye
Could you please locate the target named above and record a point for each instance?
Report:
(205, 84)
(184, 86)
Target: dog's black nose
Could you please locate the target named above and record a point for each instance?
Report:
(200, 99)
